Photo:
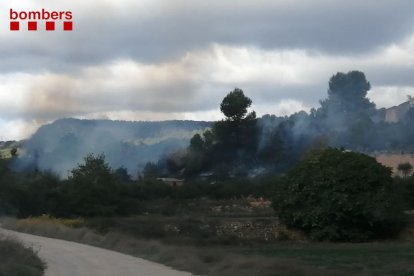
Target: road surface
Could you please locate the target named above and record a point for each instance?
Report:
(66, 258)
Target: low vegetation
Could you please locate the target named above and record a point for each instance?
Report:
(281, 258)
(406, 186)
(18, 260)
(340, 196)
(331, 195)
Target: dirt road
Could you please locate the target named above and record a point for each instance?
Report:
(65, 258)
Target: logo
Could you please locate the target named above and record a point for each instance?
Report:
(41, 19)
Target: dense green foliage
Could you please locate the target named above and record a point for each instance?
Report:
(231, 144)
(94, 190)
(347, 94)
(406, 189)
(339, 195)
(91, 189)
(234, 106)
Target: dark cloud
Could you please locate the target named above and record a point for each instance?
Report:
(182, 56)
(174, 28)
(392, 76)
(334, 27)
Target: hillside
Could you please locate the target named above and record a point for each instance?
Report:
(61, 145)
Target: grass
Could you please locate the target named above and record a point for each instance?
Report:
(386, 258)
(280, 258)
(46, 219)
(18, 260)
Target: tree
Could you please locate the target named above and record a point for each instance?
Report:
(92, 189)
(122, 175)
(347, 92)
(347, 114)
(346, 99)
(341, 196)
(238, 131)
(234, 106)
(233, 139)
(151, 170)
(40, 194)
(209, 139)
(9, 190)
(197, 143)
(405, 169)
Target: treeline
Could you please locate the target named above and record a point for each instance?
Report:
(243, 145)
(94, 189)
(332, 194)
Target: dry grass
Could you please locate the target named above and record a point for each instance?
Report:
(18, 260)
(281, 258)
(200, 260)
(46, 219)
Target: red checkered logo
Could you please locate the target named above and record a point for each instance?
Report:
(41, 20)
(67, 26)
(50, 26)
(32, 26)
(14, 25)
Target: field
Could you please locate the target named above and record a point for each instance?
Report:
(389, 258)
(393, 160)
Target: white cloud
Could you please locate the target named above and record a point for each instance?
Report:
(176, 59)
(278, 81)
(17, 129)
(387, 96)
(282, 108)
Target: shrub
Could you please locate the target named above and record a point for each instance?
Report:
(406, 186)
(341, 196)
(18, 260)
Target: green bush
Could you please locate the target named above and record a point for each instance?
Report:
(406, 186)
(341, 196)
(92, 190)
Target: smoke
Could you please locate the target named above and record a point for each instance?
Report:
(62, 145)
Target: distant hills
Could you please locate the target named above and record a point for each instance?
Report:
(61, 145)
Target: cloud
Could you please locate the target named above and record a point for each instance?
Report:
(387, 96)
(17, 129)
(172, 59)
(195, 82)
(160, 30)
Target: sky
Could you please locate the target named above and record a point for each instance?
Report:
(177, 59)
